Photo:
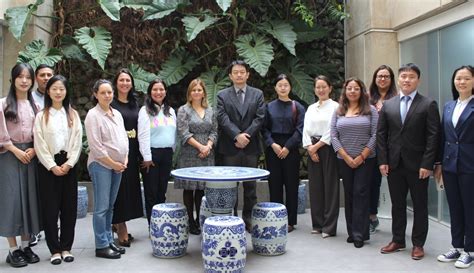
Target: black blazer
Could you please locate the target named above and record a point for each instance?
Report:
(416, 141)
(457, 143)
(234, 118)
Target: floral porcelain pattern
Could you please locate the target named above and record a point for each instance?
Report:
(224, 245)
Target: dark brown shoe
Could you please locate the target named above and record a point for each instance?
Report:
(392, 247)
(417, 253)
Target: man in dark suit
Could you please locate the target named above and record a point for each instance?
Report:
(407, 141)
(240, 114)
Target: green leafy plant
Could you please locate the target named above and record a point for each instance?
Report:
(19, 17)
(37, 53)
(256, 50)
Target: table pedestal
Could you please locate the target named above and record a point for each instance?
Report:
(221, 196)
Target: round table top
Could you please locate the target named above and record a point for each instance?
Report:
(220, 173)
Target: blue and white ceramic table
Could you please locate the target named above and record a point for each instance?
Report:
(221, 183)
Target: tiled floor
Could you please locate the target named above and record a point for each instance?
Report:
(306, 253)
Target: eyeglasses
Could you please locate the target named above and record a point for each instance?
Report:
(383, 77)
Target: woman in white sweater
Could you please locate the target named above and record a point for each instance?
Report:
(58, 142)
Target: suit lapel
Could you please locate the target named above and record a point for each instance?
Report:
(245, 106)
(448, 114)
(464, 115)
(413, 106)
(235, 100)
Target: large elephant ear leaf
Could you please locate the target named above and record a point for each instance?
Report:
(161, 8)
(37, 53)
(283, 32)
(111, 8)
(224, 4)
(19, 17)
(194, 25)
(302, 84)
(141, 77)
(256, 50)
(177, 67)
(97, 41)
(215, 79)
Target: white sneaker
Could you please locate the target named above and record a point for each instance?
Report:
(450, 256)
(464, 261)
(325, 235)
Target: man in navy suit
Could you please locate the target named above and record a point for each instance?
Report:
(240, 115)
(407, 143)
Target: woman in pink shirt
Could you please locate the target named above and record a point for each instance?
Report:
(19, 199)
(108, 144)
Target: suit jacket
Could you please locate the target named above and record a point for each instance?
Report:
(416, 141)
(234, 118)
(457, 143)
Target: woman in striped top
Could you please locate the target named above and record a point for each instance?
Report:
(353, 135)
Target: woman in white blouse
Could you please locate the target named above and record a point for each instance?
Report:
(58, 142)
(322, 162)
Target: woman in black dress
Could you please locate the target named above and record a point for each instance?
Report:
(128, 204)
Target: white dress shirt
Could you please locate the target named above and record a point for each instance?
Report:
(459, 108)
(61, 129)
(317, 121)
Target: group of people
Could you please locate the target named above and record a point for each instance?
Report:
(366, 134)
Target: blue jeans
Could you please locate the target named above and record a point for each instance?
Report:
(106, 184)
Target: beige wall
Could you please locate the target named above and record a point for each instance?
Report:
(9, 46)
(371, 33)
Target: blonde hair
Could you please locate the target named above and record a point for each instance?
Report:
(191, 86)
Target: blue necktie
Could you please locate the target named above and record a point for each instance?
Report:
(404, 107)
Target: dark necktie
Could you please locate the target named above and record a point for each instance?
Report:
(240, 96)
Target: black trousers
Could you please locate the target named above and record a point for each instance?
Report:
(58, 199)
(375, 184)
(324, 191)
(250, 187)
(284, 173)
(400, 181)
(356, 197)
(155, 181)
(459, 190)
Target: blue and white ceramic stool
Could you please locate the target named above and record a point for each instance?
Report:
(269, 228)
(224, 246)
(169, 230)
(82, 202)
(301, 198)
(204, 211)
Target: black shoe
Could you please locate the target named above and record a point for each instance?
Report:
(350, 240)
(29, 256)
(193, 228)
(55, 259)
(16, 259)
(117, 248)
(107, 253)
(34, 239)
(358, 244)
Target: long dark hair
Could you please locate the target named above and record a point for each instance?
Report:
(131, 96)
(454, 91)
(364, 106)
(48, 102)
(374, 90)
(150, 104)
(11, 110)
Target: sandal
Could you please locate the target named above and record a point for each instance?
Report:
(67, 257)
(56, 259)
